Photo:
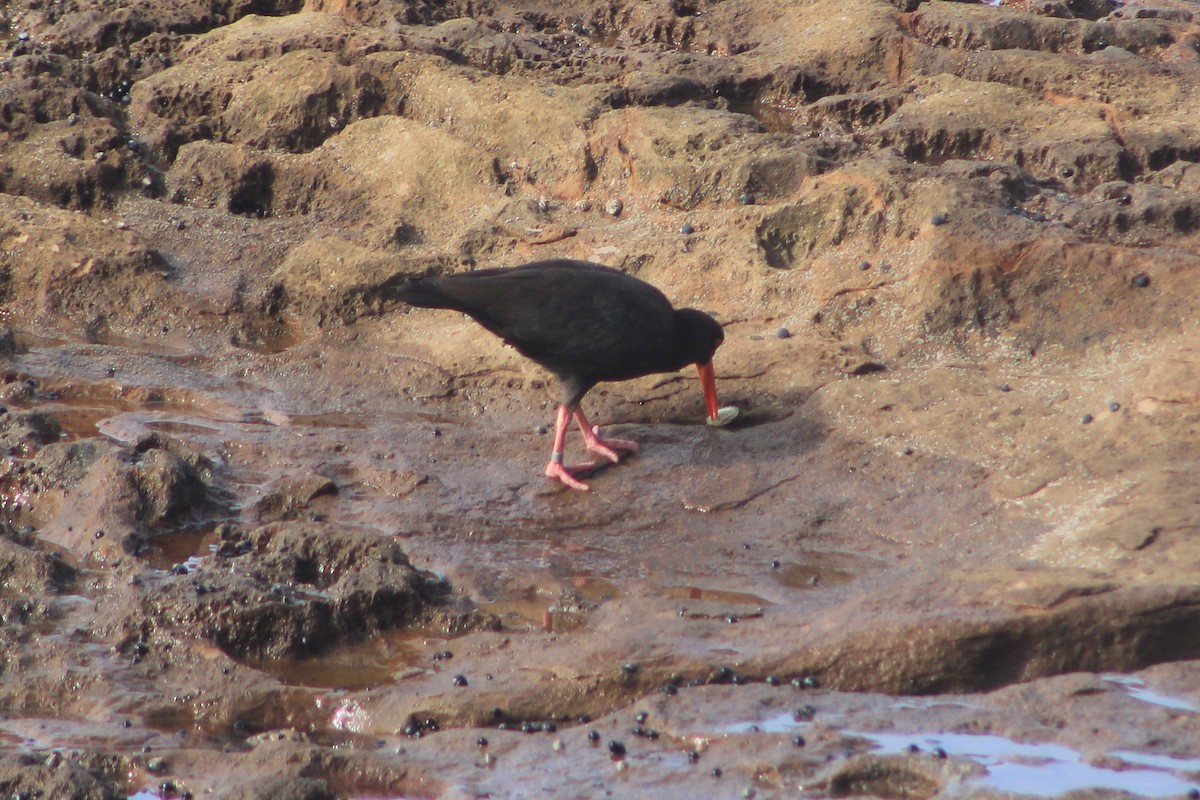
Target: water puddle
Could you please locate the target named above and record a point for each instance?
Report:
(595, 590)
(83, 383)
(74, 423)
(33, 734)
(773, 117)
(185, 428)
(1043, 770)
(1056, 778)
(1160, 762)
(83, 410)
(341, 420)
(714, 595)
(783, 722)
(379, 661)
(527, 612)
(129, 427)
(77, 423)
(1019, 768)
(269, 342)
(808, 576)
(549, 609)
(153, 346)
(1136, 688)
(24, 341)
(922, 704)
(188, 547)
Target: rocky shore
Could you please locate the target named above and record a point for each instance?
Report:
(268, 533)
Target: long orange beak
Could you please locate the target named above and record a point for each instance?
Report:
(708, 382)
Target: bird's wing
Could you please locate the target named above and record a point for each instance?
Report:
(567, 318)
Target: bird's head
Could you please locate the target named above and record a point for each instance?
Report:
(697, 337)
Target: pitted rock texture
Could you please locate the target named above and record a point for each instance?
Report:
(267, 533)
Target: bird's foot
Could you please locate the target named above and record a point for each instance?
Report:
(606, 448)
(566, 475)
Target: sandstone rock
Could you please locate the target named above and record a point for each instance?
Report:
(1173, 378)
(66, 154)
(102, 501)
(59, 263)
(414, 12)
(168, 488)
(266, 83)
(302, 588)
(881, 777)
(26, 432)
(76, 28)
(684, 156)
(27, 572)
(285, 788)
(1009, 500)
(396, 188)
(791, 236)
(292, 496)
(65, 464)
(335, 282)
(64, 777)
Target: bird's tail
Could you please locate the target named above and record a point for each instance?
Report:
(424, 292)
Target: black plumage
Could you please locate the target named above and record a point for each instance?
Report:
(584, 322)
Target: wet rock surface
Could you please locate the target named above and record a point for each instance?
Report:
(266, 533)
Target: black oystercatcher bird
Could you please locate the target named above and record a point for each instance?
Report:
(585, 323)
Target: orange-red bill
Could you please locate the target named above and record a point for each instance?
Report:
(708, 383)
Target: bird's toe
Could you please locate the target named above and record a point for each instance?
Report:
(601, 449)
(607, 448)
(558, 472)
(623, 444)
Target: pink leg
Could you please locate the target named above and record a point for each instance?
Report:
(555, 468)
(606, 448)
